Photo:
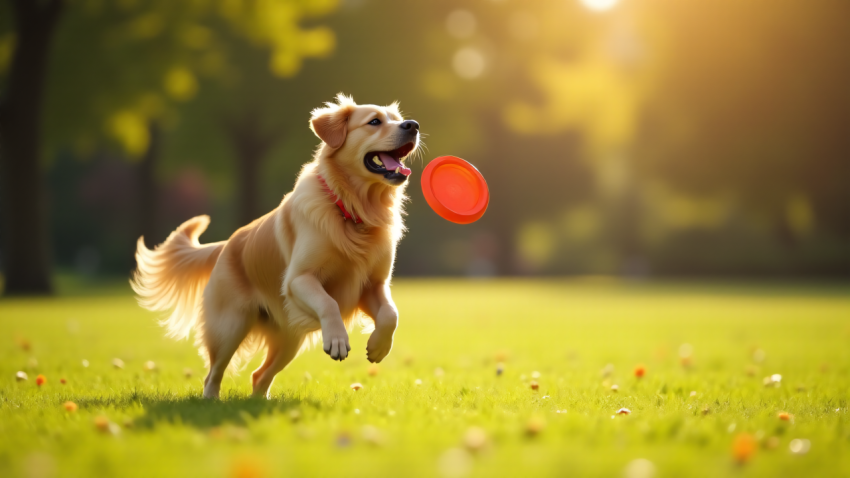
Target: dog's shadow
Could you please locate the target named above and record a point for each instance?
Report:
(203, 413)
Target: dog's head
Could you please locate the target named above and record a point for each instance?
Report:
(367, 140)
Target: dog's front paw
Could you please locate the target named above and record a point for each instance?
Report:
(379, 345)
(335, 343)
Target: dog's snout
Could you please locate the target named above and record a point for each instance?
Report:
(409, 125)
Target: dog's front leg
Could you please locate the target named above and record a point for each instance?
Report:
(378, 304)
(309, 293)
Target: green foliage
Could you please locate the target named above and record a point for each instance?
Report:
(116, 66)
(749, 103)
(565, 330)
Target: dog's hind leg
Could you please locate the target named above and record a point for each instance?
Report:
(283, 347)
(222, 335)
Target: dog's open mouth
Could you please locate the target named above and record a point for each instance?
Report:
(389, 163)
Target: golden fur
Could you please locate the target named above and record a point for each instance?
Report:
(299, 271)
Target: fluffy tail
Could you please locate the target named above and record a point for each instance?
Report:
(172, 276)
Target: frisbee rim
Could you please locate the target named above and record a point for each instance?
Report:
(443, 210)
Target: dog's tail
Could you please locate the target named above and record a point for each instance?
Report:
(172, 276)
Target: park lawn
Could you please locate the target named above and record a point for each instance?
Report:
(452, 334)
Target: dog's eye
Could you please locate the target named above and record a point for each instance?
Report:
(375, 122)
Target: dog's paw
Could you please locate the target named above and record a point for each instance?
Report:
(336, 344)
(379, 346)
(212, 392)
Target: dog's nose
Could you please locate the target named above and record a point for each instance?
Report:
(409, 124)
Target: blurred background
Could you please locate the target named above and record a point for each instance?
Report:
(618, 137)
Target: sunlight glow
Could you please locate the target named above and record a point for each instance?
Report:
(469, 63)
(599, 5)
(461, 24)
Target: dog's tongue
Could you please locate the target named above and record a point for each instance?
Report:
(391, 164)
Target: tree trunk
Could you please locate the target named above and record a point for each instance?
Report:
(148, 194)
(500, 179)
(250, 145)
(26, 254)
(249, 174)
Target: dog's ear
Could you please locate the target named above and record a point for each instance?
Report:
(331, 123)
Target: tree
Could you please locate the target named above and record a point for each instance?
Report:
(762, 115)
(250, 111)
(26, 258)
(115, 80)
(679, 110)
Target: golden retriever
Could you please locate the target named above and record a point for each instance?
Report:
(319, 262)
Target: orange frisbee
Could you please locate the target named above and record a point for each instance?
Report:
(455, 189)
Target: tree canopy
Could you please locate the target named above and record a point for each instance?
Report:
(90, 75)
(115, 66)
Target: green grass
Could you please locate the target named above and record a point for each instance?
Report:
(565, 330)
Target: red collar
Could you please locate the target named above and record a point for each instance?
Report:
(338, 201)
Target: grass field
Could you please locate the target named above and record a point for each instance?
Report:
(451, 336)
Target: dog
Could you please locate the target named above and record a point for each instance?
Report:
(317, 264)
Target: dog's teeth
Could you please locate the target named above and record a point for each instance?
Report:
(377, 161)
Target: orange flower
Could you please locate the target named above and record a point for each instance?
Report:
(63, 381)
(356, 386)
(373, 369)
(40, 380)
(640, 371)
(101, 423)
(534, 385)
(534, 426)
(743, 447)
(785, 416)
(70, 406)
(247, 467)
(475, 439)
